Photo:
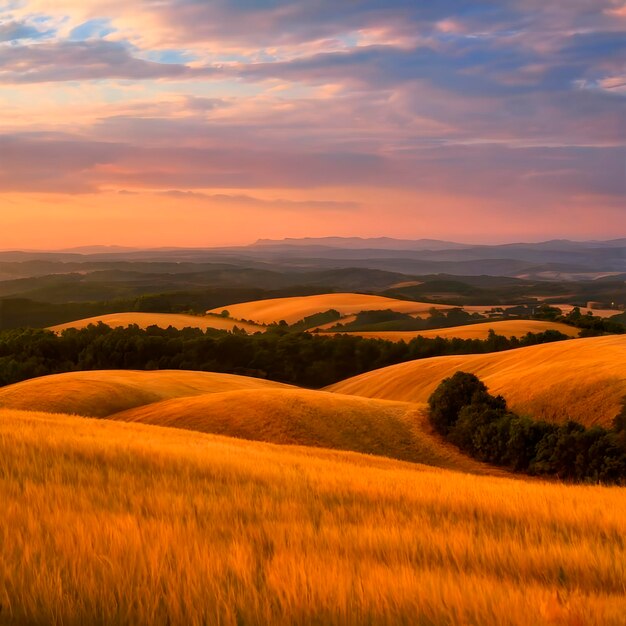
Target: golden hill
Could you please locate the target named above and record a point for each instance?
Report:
(583, 379)
(294, 309)
(508, 328)
(101, 393)
(311, 418)
(112, 523)
(163, 320)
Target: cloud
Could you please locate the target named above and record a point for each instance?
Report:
(84, 60)
(16, 30)
(92, 29)
(278, 203)
(78, 165)
(273, 24)
(202, 105)
(52, 162)
(536, 174)
(495, 48)
(470, 71)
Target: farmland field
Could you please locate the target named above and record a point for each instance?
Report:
(105, 522)
(163, 320)
(506, 328)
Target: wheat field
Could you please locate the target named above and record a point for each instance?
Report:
(581, 379)
(112, 523)
(163, 320)
(294, 309)
(311, 418)
(100, 393)
(507, 328)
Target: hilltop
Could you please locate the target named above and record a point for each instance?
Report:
(102, 393)
(581, 379)
(295, 309)
(311, 418)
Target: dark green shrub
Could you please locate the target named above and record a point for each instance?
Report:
(450, 397)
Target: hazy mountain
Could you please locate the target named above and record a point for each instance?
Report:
(359, 243)
(547, 259)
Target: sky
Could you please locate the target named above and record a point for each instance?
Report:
(217, 122)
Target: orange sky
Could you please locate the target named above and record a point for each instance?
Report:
(185, 123)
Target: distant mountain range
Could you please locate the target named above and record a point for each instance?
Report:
(558, 259)
(389, 243)
(359, 243)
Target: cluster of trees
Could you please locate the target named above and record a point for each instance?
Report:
(464, 412)
(591, 325)
(299, 358)
(317, 319)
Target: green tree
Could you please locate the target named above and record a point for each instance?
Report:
(453, 394)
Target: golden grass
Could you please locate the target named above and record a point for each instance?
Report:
(311, 418)
(101, 393)
(508, 328)
(163, 320)
(294, 309)
(111, 523)
(584, 379)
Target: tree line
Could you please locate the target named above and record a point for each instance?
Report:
(298, 358)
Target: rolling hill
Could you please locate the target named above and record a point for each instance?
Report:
(102, 393)
(113, 523)
(582, 379)
(163, 320)
(295, 309)
(311, 418)
(508, 328)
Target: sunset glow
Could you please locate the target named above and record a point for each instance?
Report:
(194, 123)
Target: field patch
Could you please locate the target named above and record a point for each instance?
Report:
(507, 328)
(163, 320)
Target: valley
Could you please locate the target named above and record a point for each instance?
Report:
(235, 455)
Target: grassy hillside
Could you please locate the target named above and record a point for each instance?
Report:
(507, 328)
(101, 393)
(311, 418)
(584, 379)
(163, 320)
(294, 309)
(110, 523)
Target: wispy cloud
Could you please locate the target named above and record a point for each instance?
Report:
(13, 31)
(276, 203)
(85, 60)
